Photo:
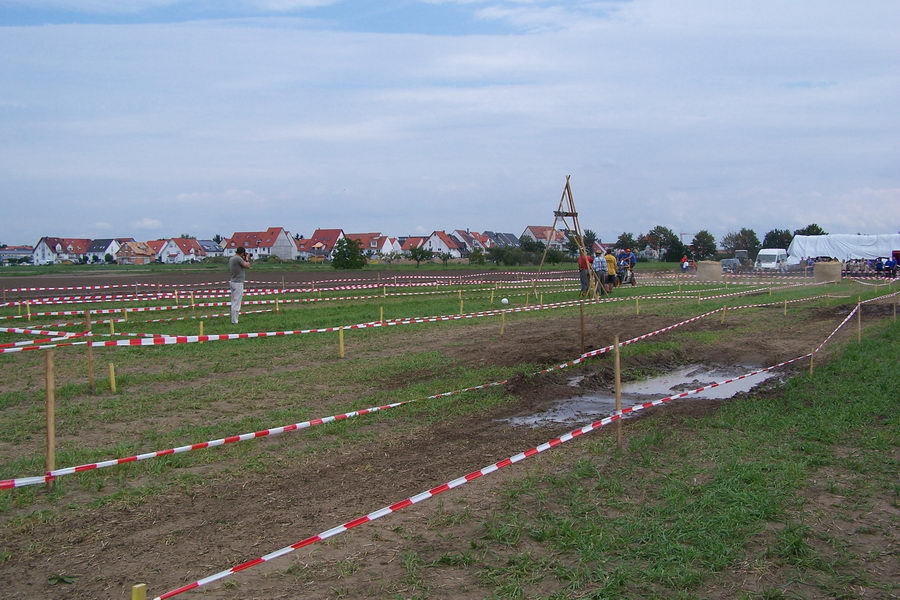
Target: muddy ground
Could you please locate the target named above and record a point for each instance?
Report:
(170, 540)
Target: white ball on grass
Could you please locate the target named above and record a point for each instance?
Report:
(504, 301)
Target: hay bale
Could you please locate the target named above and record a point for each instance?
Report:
(709, 270)
(827, 271)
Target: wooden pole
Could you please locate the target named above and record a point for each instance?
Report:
(542, 300)
(112, 326)
(637, 306)
(282, 284)
(859, 323)
(139, 591)
(526, 298)
(460, 306)
(277, 307)
(125, 314)
(618, 383)
(341, 342)
(381, 314)
(581, 310)
(192, 301)
(90, 352)
(492, 296)
(112, 378)
(201, 328)
(698, 298)
(811, 356)
(502, 322)
(51, 412)
(28, 309)
(722, 319)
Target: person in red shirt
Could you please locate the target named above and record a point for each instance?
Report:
(584, 271)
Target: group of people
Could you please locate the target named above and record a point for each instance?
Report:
(887, 268)
(611, 269)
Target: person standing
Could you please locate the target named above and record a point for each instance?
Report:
(584, 271)
(610, 270)
(599, 267)
(238, 265)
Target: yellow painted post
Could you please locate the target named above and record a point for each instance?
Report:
(51, 412)
(201, 328)
(381, 314)
(637, 306)
(90, 352)
(28, 309)
(20, 309)
(112, 378)
(139, 591)
(859, 323)
(112, 326)
(125, 314)
(277, 306)
(177, 300)
(618, 383)
(193, 307)
(502, 322)
(460, 306)
(341, 342)
(384, 291)
(492, 296)
(698, 298)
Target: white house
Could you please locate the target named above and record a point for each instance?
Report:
(547, 235)
(274, 241)
(211, 248)
(441, 243)
(181, 250)
(53, 250)
(98, 249)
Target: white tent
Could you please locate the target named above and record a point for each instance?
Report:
(843, 246)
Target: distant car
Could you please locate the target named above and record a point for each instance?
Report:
(731, 265)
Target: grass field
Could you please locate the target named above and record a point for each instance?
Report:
(701, 491)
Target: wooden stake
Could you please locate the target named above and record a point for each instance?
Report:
(51, 412)
(859, 323)
(526, 298)
(811, 356)
(722, 319)
(112, 378)
(785, 308)
(28, 309)
(384, 291)
(492, 296)
(542, 300)
(698, 299)
(192, 301)
(637, 306)
(282, 284)
(201, 328)
(618, 382)
(112, 326)
(341, 342)
(139, 591)
(277, 307)
(90, 353)
(581, 310)
(125, 314)
(381, 314)
(460, 306)
(502, 323)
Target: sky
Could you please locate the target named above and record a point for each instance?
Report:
(153, 118)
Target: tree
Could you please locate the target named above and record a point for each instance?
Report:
(186, 236)
(109, 258)
(554, 256)
(661, 238)
(704, 245)
(347, 255)
(626, 240)
(495, 254)
(811, 229)
(590, 237)
(529, 245)
(217, 239)
(572, 246)
(777, 238)
(391, 257)
(745, 239)
(420, 254)
(477, 257)
(675, 250)
(445, 258)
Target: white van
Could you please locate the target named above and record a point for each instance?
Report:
(772, 258)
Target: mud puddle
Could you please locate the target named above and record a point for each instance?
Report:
(586, 407)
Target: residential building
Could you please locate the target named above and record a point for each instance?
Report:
(440, 242)
(374, 243)
(553, 238)
(324, 241)
(181, 250)
(274, 241)
(135, 253)
(211, 248)
(485, 241)
(54, 250)
(15, 253)
(504, 240)
(98, 250)
(411, 242)
(156, 246)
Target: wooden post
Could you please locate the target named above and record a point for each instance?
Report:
(381, 314)
(384, 291)
(112, 326)
(526, 298)
(125, 314)
(637, 306)
(277, 307)
(112, 378)
(192, 301)
(139, 591)
(51, 413)
(28, 309)
(581, 310)
(460, 306)
(770, 292)
(177, 300)
(618, 383)
(811, 356)
(698, 298)
(542, 300)
(90, 352)
(859, 323)
(282, 284)
(492, 296)
(201, 328)
(722, 319)
(785, 308)
(502, 322)
(341, 342)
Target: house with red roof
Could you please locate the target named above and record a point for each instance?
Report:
(156, 246)
(411, 242)
(54, 250)
(440, 242)
(135, 253)
(545, 234)
(375, 243)
(274, 241)
(181, 250)
(323, 241)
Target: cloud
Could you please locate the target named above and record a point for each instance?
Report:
(147, 223)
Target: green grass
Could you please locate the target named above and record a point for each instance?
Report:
(688, 498)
